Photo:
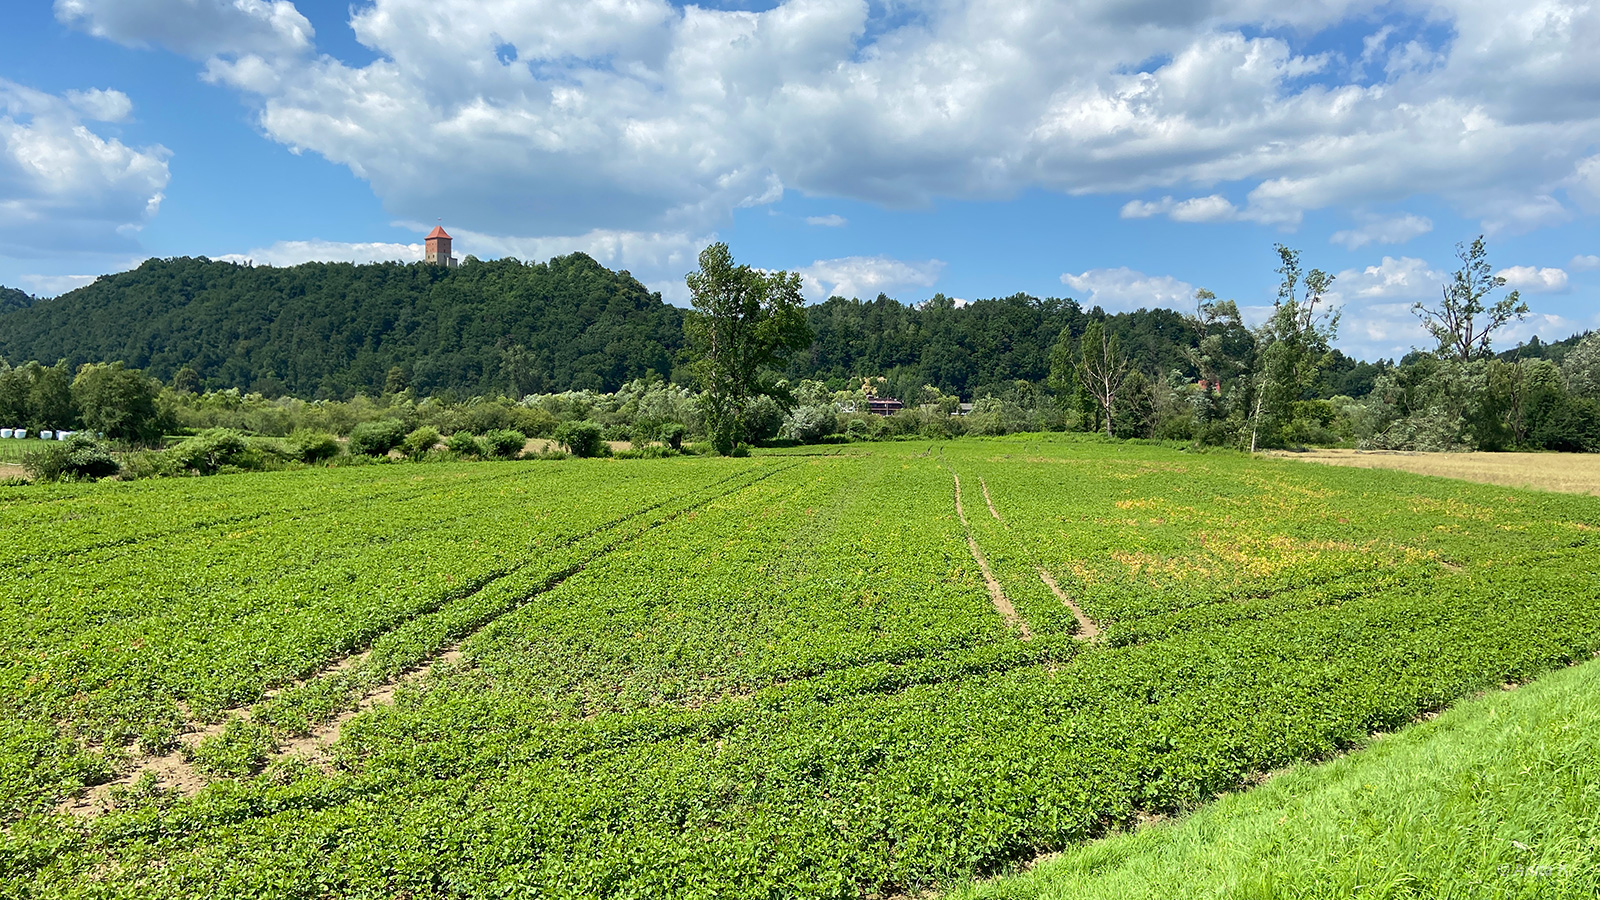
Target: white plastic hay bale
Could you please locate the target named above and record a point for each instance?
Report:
(63, 435)
(20, 432)
(47, 435)
(7, 432)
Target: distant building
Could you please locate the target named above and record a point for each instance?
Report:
(438, 252)
(883, 406)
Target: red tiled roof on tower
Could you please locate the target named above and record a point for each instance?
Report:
(438, 232)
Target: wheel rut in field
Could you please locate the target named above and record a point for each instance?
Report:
(1087, 629)
(175, 771)
(997, 595)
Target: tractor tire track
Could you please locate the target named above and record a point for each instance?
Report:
(997, 595)
(175, 771)
(1087, 629)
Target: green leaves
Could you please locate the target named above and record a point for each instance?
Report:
(706, 677)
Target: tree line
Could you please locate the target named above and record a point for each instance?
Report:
(751, 363)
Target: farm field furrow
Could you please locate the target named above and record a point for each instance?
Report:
(780, 676)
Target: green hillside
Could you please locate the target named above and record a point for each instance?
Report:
(336, 329)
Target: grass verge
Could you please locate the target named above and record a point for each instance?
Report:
(1497, 797)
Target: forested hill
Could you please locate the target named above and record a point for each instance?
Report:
(336, 329)
(332, 330)
(11, 298)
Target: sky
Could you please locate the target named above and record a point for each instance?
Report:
(1121, 152)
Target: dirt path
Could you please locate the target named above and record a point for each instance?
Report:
(1087, 629)
(1002, 603)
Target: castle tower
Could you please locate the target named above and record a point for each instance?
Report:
(438, 252)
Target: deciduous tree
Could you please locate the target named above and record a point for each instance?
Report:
(1101, 370)
(744, 325)
(1462, 323)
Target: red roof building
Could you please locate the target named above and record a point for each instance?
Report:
(438, 248)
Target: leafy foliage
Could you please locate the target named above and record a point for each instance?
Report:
(745, 325)
(377, 438)
(78, 457)
(727, 677)
(580, 438)
(502, 444)
(336, 329)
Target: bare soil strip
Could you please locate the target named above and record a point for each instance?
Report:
(992, 511)
(1087, 629)
(1002, 603)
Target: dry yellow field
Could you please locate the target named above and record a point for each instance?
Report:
(1573, 473)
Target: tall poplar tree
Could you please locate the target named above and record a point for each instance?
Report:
(744, 325)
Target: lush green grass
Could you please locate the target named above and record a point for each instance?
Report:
(776, 676)
(1497, 797)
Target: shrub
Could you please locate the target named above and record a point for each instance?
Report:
(149, 464)
(311, 446)
(809, 424)
(419, 442)
(377, 438)
(80, 456)
(580, 438)
(503, 443)
(858, 429)
(672, 435)
(463, 444)
(210, 450)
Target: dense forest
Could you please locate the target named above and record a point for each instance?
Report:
(335, 330)
(200, 343)
(11, 298)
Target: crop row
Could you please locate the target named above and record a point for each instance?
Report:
(121, 643)
(785, 678)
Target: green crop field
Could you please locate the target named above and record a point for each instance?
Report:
(782, 676)
(13, 450)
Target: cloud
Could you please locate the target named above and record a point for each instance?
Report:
(1584, 262)
(1535, 280)
(832, 220)
(546, 118)
(64, 188)
(1125, 288)
(53, 285)
(658, 260)
(1548, 326)
(292, 253)
(1393, 230)
(196, 28)
(865, 277)
(99, 105)
(1214, 208)
(1406, 278)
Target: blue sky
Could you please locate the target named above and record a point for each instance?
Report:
(1123, 153)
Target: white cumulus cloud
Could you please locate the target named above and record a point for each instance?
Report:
(100, 105)
(65, 188)
(1212, 208)
(832, 220)
(1392, 230)
(864, 277)
(1125, 288)
(1584, 262)
(292, 253)
(547, 118)
(1534, 280)
(52, 285)
(198, 28)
